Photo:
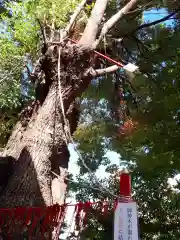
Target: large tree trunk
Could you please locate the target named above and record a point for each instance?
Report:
(40, 147)
(31, 181)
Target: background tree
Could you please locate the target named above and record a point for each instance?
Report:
(150, 152)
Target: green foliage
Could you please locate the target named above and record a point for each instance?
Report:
(56, 12)
(152, 152)
(10, 91)
(18, 37)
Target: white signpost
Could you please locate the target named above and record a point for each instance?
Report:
(125, 221)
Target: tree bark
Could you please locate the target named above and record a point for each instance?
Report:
(41, 147)
(30, 183)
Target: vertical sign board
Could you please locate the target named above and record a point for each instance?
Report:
(125, 221)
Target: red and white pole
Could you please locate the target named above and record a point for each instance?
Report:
(125, 217)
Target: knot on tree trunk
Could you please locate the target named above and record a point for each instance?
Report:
(74, 61)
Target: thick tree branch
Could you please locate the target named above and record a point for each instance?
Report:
(103, 71)
(92, 27)
(73, 18)
(113, 20)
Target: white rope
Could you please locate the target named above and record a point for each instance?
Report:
(69, 137)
